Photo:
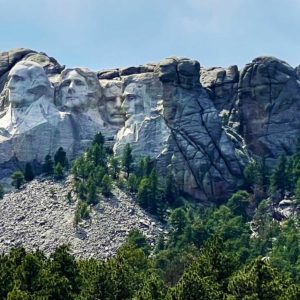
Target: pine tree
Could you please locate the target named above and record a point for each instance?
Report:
(127, 160)
(92, 192)
(106, 185)
(278, 180)
(132, 183)
(58, 172)
(61, 157)
(1, 191)
(48, 165)
(99, 139)
(297, 191)
(114, 167)
(171, 192)
(28, 173)
(144, 193)
(17, 179)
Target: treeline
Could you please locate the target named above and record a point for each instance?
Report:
(176, 270)
(98, 169)
(235, 250)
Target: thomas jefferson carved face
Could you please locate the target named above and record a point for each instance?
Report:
(74, 91)
(133, 103)
(27, 82)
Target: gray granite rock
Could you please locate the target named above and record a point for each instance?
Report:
(40, 217)
(268, 107)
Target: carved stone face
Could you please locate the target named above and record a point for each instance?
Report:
(133, 103)
(113, 100)
(74, 91)
(27, 82)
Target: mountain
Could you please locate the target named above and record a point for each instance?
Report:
(202, 125)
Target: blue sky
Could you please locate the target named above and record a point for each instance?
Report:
(116, 33)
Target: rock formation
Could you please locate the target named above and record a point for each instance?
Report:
(202, 125)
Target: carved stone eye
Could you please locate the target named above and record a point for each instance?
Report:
(17, 78)
(130, 97)
(78, 82)
(65, 83)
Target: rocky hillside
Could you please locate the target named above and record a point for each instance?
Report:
(39, 216)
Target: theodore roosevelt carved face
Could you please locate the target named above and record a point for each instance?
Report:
(112, 100)
(27, 82)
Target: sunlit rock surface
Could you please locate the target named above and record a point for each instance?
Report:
(203, 125)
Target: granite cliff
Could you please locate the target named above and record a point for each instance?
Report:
(203, 125)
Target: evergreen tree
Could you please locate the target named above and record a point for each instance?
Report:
(28, 174)
(17, 294)
(92, 192)
(178, 221)
(127, 160)
(144, 167)
(278, 180)
(239, 203)
(58, 172)
(61, 157)
(1, 191)
(48, 165)
(17, 179)
(132, 183)
(258, 280)
(97, 155)
(114, 167)
(155, 196)
(171, 192)
(99, 139)
(144, 194)
(297, 191)
(106, 185)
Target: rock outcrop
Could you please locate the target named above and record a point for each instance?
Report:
(202, 125)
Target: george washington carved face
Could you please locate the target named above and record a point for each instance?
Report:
(27, 82)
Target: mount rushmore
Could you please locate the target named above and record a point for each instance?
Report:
(202, 125)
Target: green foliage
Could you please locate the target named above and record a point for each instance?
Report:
(297, 191)
(279, 178)
(1, 191)
(17, 294)
(258, 280)
(239, 203)
(99, 139)
(17, 179)
(58, 171)
(127, 160)
(114, 166)
(82, 212)
(191, 286)
(28, 173)
(178, 221)
(106, 185)
(61, 157)
(138, 240)
(48, 165)
(92, 197)
(171, 192)
(132, 183)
